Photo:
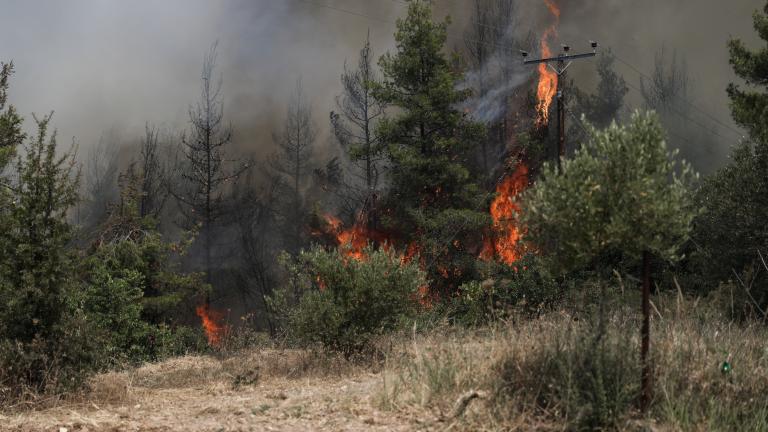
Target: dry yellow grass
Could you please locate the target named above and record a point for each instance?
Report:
(446, 378)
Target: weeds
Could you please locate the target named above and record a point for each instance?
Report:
(561, 371)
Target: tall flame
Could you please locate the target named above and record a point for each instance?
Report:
(504, 241)
(547, 86)
(211, 320)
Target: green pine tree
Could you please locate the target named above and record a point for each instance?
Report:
(604, 106)
(432, 203)
(130, 286)
(36, 263)
(11, 135)
(129, 247)
(750, 108)
(732, 227)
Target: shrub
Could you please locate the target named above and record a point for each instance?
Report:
(45, 343)
(587, 377)
(342, 303)
(528, 287)
(51, 365)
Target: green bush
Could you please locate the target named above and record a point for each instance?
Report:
(341, 302)
(48, 365)
(112, 305)
(164, 341)
(527, 287)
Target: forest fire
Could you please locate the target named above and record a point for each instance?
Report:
(547, 86)
(211, 320)
(503, 242)
(352, 241)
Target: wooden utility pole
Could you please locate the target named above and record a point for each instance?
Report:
(645, 336)
(562, 61)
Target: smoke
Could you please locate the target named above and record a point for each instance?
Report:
(116, 65)
(697, 30)
(500, 77)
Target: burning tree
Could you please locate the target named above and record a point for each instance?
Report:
(432, 202)
(619, 194)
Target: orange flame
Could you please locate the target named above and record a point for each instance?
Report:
(352, 241)
(553, 9)
(505, 238)
(547, 86)
(214, 330)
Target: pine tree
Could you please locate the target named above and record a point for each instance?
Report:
(604, 106)
(11, 135)
(290, 163)
(206, 173)
(129, 250)
(432, 201)
(732, 227)
(354, 128)
(750, 108)
(36, 263)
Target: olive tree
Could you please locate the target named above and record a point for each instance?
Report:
(622, 192)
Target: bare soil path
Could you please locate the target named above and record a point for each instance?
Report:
(203, 394)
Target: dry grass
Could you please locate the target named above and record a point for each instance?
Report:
(550, 374)
(530, 374)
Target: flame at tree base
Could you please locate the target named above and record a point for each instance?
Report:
(211, 321)
(504, 241)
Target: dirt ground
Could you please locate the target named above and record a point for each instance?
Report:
(205, 394)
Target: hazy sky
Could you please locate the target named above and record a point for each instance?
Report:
(115, 64)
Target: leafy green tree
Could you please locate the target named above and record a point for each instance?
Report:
(432, 201)
(622, 192)
(735, 199)
(129, 247)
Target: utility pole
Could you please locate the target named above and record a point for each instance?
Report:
(562, 62)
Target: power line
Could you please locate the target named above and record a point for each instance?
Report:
(505, 46)
(509, 47)
(362, 15)
(683, 116)
(688, 102)
(346, 11)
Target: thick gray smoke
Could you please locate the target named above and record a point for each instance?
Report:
(115, 65)
(105, 66)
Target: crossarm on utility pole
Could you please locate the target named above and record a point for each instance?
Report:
(562, 62)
